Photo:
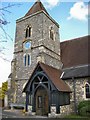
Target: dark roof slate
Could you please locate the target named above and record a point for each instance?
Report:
(76, 72)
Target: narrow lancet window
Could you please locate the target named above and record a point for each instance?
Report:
(51, 33)
(87, 89)
(28, 32)
(25, 60)
(29, 59)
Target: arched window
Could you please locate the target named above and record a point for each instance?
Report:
(28, 31)
(29, 59)
(51, 33)
(87, 89)
(25, 60)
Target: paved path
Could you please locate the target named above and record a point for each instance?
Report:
(17, 114)
(0, 113)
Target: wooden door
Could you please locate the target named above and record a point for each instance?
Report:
(41, 101)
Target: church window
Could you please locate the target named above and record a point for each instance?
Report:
(28, 31)
(29, 59)
(25, 60)
(27, 45)
(51, 33)
(87, 89)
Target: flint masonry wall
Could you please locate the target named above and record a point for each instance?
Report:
(42, 46)
(80, 94)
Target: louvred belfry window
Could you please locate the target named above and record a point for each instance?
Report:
(28, 32)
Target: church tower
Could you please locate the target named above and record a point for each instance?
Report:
(37, 39)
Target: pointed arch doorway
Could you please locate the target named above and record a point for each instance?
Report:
(43, 90)
(42, 101)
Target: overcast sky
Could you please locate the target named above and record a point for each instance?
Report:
(71, 16)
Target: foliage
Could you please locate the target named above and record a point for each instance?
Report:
(3, 90)
(74, 116)
(85, 111)
(84, 108)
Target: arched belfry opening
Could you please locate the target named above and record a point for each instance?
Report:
(45, 89)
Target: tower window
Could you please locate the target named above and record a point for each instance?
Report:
(27, 45)
(87, 89)
(29, 59)
(25, 59)
(28, 32)
(51, 33)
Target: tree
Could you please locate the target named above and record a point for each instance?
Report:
(3, 90)
(4, 36)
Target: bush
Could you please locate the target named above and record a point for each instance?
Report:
(84, 108)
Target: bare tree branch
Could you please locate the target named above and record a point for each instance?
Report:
(4, 36)
(9, 6)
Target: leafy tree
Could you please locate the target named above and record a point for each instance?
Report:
(3, 90)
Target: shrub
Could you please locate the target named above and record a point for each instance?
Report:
(85, 111)
(84, 108)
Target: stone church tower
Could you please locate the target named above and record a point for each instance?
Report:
(37, 39)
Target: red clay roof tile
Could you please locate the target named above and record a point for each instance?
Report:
(38, 6)
(75, 52)
(54, 75)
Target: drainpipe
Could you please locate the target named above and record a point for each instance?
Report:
(74, 88)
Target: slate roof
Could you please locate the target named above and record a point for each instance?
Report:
(54, 75)
(75, 57)
(76, 72)
(38, 6)
(75, 52)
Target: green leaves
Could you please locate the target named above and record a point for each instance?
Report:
(3, 90)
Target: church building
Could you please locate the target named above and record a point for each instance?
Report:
(47, 76)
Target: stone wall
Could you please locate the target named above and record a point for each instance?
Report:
(40, 24)
(19, 96)
(41, 45)
(80, 94)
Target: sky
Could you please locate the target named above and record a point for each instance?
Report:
(72, 16)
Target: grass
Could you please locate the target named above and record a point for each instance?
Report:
(75, 116)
